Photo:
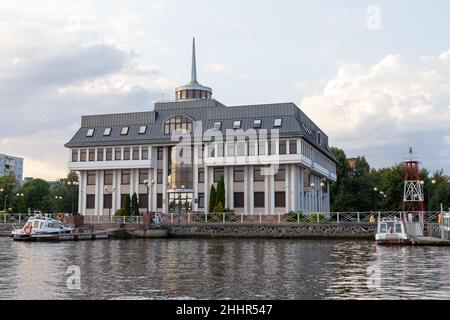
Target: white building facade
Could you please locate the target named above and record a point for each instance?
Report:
(272, 157)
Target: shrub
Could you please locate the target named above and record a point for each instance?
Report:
(119, 212)
(293, 216)
(313, 218)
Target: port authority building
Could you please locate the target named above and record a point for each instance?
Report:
(273, 158)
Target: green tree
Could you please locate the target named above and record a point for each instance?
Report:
(37, 195)
(10, 186)
(127, 206)
(212, 199)
(134, 205)
(220, 197)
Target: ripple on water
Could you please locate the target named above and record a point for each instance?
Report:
(223, 269)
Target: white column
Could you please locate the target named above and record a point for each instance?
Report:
(246, 191)
(115, 195)
(287, 187)
(195, 181)
(272, 194)
(267, 194)
(154, 156)
(230, 179)
(118, 182)
(251, 191)
(97, 193)
(206, 188)
(293, 186)
(100, 191)
(165, 174)
(82, 193)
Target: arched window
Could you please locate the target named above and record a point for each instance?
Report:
(176, 123)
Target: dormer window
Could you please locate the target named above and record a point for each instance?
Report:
(319, 138)
(107, 132)
(257, 123)
(142, 129)
(177, 123)
(90, 133)
(237, 124)
(217, 125)
(124, 131)
(277, 122)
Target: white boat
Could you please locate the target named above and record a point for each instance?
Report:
(40, 225)
(392, 232)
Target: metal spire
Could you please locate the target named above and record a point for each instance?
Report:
(194, 64)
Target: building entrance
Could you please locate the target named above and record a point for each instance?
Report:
(180, 202)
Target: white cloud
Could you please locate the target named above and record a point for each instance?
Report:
(446, 140)
(246, 76)
(383, 109)
(219, 67)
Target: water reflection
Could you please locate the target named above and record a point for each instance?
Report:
(223, 269)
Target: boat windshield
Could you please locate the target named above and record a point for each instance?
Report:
(398, 228)
(383, 228)
(36, 224)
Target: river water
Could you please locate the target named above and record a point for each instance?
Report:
(221, 269)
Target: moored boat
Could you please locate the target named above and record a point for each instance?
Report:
(40, 226)
(392, 232)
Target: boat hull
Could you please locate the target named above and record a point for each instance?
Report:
(394, 242)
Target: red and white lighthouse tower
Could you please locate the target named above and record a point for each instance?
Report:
(413, 197)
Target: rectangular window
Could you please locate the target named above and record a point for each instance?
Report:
(293, 146)
(100, 154)
(237, 124)
(201, 200)
(280, 199)
(257, 176)
(90, 133)
(91, 175)
(238, 175)
(159, 200)
(262, 147)
(144, 153)
(124, 131)
(277, 122)
(240, 149)
(108, 154)
(257, 123)
(230, 149)
(281, 174)
(74, 155)
(117, 153)
(218, 172)
(143, 201)
(238, 199)
(143, 175)
(91, 154)
(282, 147)
(160, 153)
(251, 148)
(126, 153)
(258, 200)
(107, 201)
(135, 153)
(201, 175)
(125, 177)
(217, 125)
(90, 201)
(122, 199)
(219, 149)
(108, 177)
(142, 129)
(107, 132)
(83, 155)
(159, 176)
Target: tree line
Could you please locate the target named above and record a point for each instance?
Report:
(363, 188)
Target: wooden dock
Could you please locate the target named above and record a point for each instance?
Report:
(429, 241)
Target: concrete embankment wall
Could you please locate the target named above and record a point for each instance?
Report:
(275, 231)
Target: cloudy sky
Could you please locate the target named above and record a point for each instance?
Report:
(375, 75)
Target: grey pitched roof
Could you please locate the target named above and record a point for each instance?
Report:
(294, 123)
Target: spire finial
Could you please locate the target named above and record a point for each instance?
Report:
(194, 64)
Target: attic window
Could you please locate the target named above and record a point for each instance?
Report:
(307, 129)
(90, 133)
(257, 123)
(277, 122)
(319, 138)
(217, 125)
(107, 132)
(142, 129)
(237, 124)
(124, 131)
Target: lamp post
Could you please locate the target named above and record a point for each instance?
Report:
(110, 205)
(148, 192)
(73, 185)
(6, 196)
(375, 194)
(433, 182)
(20, 195)
(322, 184)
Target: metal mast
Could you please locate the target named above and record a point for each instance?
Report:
(413, 197)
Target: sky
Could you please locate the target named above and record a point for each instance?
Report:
(374, 75)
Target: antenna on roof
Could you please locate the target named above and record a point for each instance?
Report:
(194, 64)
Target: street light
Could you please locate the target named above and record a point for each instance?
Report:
(433, 182)
(375, 193)
(110, 192)
(6, 196)
(73, 185)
